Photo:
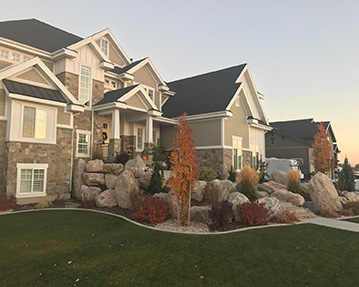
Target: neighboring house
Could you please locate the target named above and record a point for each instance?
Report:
(295, 139)
(63, 97)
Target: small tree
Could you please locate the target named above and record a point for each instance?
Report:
(184, 166)
(321, 149)
(346, 176)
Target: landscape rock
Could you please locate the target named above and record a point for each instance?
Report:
(236, 199)
(198, 191)
(173, 204)
(218, 190)
(288, 196)
(200, 214)
(106, 198)
(270, 186)
(95, 165)
(279, 177)
(79, 168)
(312, 206)
(126, 189)
(89, 193)
(272, 204)
(304, 188)
(263, 194)
(136, 165)
(350, 196)
(111, 180)
(322, 190)
(95, 179)
(145, 178)
(113, 168)
(162, 195)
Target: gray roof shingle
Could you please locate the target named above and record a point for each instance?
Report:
(33, 91)
(206, 93)
(37, 34)
(113, 96)
(119, 70)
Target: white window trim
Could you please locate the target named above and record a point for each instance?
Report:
(147, 88)
(78, 132)
(90, 95)
(108, 46)
(241, 149)
(32, 166)
(143, 138)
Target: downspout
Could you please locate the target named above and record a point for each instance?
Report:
(92, 137)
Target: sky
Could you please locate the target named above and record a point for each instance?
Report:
(303, 55)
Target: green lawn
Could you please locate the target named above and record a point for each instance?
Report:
(355, 220)
(55, 248)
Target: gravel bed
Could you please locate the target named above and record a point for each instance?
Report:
(172, 225)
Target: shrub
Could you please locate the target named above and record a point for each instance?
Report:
(150, 209)
(328, 213)
(7, 203)
(346, 177)
(285, 216)
(156, 179)
(248, 179)
(232, 175)
(206, 174)
(43, 204)
(123, 157)
(221, 215)
(347, 212)
(353, 206)
(293, 181)
(253, 213)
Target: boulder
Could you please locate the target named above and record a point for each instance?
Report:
(272, 204)
(79, 168)
(89, 193)
(304, 187)
(322, 190)
(162, 195)
(166, 175)
(95, 165)
(288, 196)
(113, 168)
(106, 198)
(350, 196)
(198, 191)
(111, 180)
(270, 186)
(145, 178)
(236, 199)
(200, 214)
(218, 190)
(312, 206)
(279, 177)
(263, 194)
(126, 189)
(95, 179)
(173, 204)
(136, 165)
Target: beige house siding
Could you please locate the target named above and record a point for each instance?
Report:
(2, 102)
(4, 64)
(135, 101)
(33, 76)
(114, 57)
(168, 133)
(206, 133)
(144, 76)
(236, 126)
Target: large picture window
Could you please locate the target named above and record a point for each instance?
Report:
(139, 145)
(34, 123)
(237, 153)
(31, 179)
(85, 86)
(255, 155)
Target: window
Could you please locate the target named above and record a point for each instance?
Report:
(85, 86)
(4, 54)
(34, 123)
(114, 84)
(31, 179)
(15, 57)
(150, 94)
(83, 144)
(272, 141)
(237, 153)
(255, 155)
(139, 145)
(107, 83)
(25, 58)
(104, 46)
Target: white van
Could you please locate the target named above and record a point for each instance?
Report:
(282, 164)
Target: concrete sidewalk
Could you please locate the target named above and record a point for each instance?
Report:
(334, 223)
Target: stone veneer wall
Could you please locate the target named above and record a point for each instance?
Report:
(2, 156)
(58, 158)
(113, 147)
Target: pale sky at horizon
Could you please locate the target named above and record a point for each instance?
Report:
(303, 55)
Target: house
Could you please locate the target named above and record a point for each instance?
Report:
(295, 139)
(64, 97)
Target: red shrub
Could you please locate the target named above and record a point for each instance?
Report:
(149, 209)
(221, 216)
(7, 203)
(253, 213)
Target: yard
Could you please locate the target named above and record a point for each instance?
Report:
(83, 248)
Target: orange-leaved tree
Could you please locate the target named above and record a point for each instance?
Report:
(321, 149)
(184, 167)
